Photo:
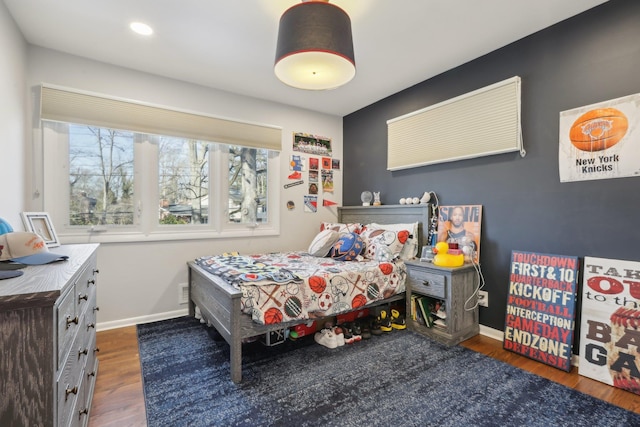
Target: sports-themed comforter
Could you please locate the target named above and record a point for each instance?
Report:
(282, 287)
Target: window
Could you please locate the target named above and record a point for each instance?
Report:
(112, 183)
(183, 166)
(124, 171)
(101, 176)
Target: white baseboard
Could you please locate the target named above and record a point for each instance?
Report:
(103, 326)
(492, 333)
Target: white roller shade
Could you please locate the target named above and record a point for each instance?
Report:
(70, 106)
(479, 123)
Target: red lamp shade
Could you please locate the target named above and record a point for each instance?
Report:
(315, 47)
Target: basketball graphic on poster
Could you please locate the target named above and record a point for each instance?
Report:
(598, 129)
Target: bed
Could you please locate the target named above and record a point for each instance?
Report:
(225, 306)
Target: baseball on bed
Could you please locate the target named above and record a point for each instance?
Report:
(598, 129)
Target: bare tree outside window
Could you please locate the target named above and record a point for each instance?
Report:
(247, 185)
(100, 176)
(184, 181)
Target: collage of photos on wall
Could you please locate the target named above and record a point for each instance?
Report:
(313, 167)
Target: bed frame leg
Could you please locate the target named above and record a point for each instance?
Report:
(236, 360)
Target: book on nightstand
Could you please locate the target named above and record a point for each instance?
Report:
(423, 303)
(416, 314)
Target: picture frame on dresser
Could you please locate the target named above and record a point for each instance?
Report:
(41, 224)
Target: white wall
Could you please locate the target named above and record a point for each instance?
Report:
(139, 281)
(12, 119)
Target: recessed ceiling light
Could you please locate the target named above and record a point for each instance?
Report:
(141, 28)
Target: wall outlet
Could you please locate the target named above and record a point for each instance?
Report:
(483, 298)
(183, 293)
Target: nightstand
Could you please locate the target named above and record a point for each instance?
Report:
(448, 296)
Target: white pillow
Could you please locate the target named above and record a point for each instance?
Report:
(323, 242)
(410, 248)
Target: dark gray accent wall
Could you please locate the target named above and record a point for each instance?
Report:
(589, 58)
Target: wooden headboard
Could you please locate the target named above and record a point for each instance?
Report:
(390, 214)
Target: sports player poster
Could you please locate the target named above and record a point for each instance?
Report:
(461, 224)
(540, 316)
(600, 141)
(610, 324)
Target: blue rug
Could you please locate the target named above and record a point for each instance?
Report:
(399, 379)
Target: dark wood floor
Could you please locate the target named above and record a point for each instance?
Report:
(119, 399)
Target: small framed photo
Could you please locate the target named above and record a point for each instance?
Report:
(40, 223)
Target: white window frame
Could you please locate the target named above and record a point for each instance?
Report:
(55, 159)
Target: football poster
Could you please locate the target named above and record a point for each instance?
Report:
(540, 317)
(610, 323)
(600, 141)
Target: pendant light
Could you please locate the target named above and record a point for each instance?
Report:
(315, 46)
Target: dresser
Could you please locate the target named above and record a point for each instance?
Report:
(451, 292)
(48, 361)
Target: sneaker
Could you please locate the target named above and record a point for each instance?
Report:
(356, 331)
(365, 329)
(376, 326)
(326, 338)
(348, 336)
(385, 321)
(339, 334)
(295, 175)
(397, 320)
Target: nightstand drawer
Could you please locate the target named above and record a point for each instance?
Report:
(427, 283)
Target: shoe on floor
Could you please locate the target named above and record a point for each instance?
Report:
(356, 331)
(375, 326)
(327, 338)
(339, 334)
(365, 329)
(385, 321)
(397, 320)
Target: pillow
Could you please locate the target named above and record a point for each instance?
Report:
(383, 245)
(347, 248)
(323, 242)
(410, 249)
(342, 228)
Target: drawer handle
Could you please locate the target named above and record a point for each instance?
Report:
(91, 374)
(69, 391)
(96, 350)
(82, 297)
(91, 325)
(96, 308)
(82, 412)
(426, 283)
(95, 270)
(71, 320)
(81, 352)
(91, 282)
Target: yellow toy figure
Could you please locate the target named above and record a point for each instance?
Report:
(444, 259)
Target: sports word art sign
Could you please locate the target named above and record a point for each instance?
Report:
(541, 307)
(610, 324)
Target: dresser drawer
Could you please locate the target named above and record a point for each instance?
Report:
(67, 325)
(85, 286)
(68, 385)
(427, 283)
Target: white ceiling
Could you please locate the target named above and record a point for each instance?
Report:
(230, 44)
